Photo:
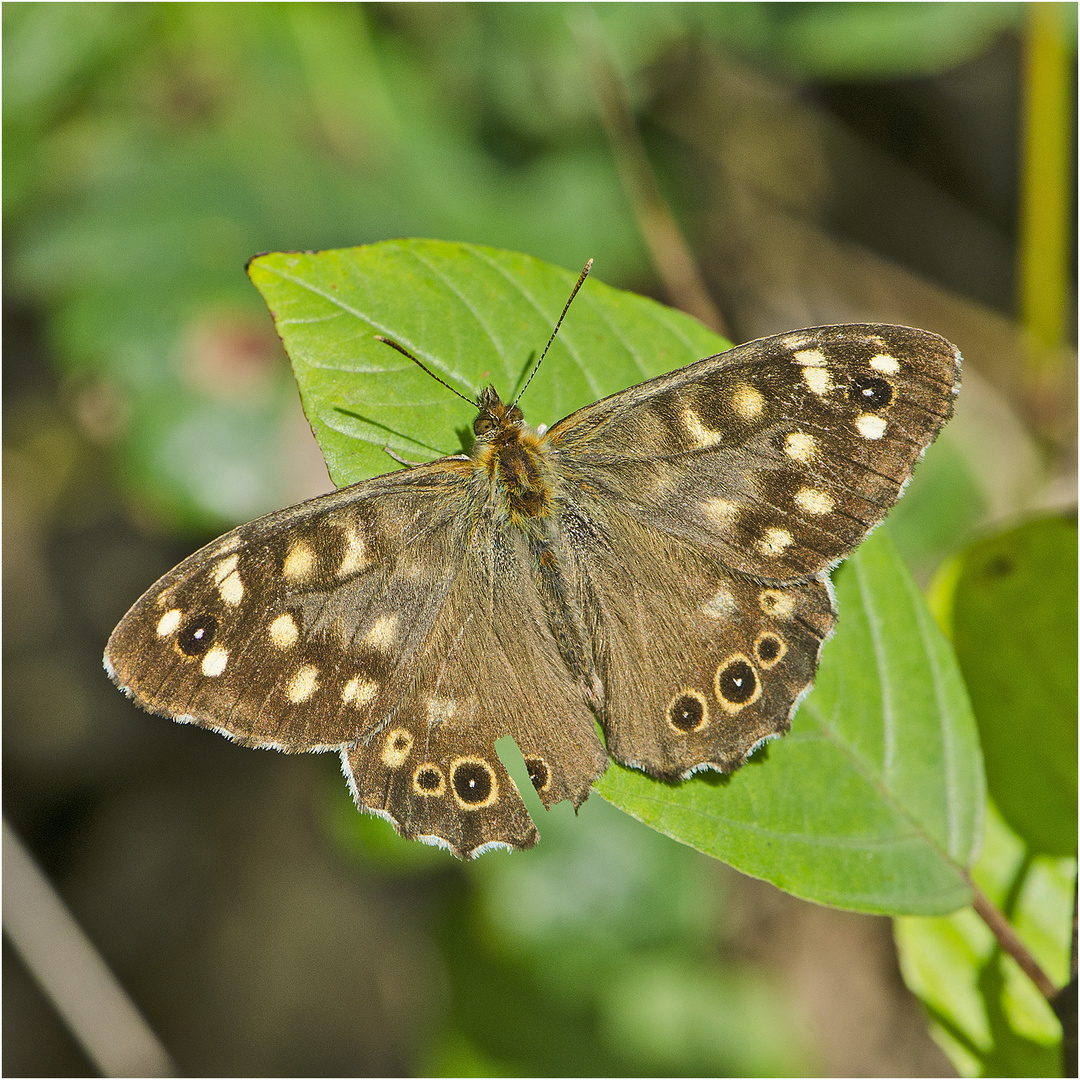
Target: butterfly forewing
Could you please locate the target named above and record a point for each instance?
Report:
(283, 632)
(779, 455)
(391, 620)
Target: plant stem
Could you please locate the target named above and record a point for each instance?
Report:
(1044, 208)
(671, 254)
(1010, 941)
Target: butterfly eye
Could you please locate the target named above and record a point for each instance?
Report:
(482, 424)
(515, 415)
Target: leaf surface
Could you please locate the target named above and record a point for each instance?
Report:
(474, 315)
(1013, 622)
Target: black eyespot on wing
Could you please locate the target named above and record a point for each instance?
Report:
(472, 782)
(197, 634)
(768, 648)
(429, 779)
(686, 712)
(870, 392)
(539, 773)
(737, 682)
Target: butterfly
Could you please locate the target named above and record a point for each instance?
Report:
(656, 563)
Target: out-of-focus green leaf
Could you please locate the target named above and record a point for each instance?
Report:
(983, 1010)
(216, 131)
(873, 802)
(940, 508)
(863, 40)
(613, 921)
(1013, 620)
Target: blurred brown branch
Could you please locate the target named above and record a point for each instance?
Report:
(1010, 942)
(92, 1004)
(671, 255)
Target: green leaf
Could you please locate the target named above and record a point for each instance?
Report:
(873, 801)
(1013, 620)
(983, 1010)
(472, 314)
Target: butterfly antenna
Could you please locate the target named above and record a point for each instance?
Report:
(573, 293)
(405, 352)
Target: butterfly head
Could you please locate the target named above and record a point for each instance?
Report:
(494, 417)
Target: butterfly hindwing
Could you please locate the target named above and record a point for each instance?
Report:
(779, 455)
(698, 664)
(489, 667)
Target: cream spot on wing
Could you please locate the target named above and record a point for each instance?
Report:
(303, 684)
(300, 562)
(887, 365)
(169, 622)
(231, 588)
(719, 512)
(224, 568)
(396, 748)
(359, 691)
(774, 541)
(810, 358)
(870, 426)
(283, 631)
(800, 447)
(381, 634)
(747, 401)
(355, 557)
(441, 710)
(213, 663)
(699, 433)
(721, 605)
(818, 379)
(814, 501)
(780, 605)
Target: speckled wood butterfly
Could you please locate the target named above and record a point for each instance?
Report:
(656, 561)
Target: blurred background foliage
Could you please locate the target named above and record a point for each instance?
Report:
(828, 162)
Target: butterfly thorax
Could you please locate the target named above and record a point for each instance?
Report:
(514, 457)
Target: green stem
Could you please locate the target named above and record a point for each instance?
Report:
(1044, 201)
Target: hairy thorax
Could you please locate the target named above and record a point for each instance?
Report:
(514, 459)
